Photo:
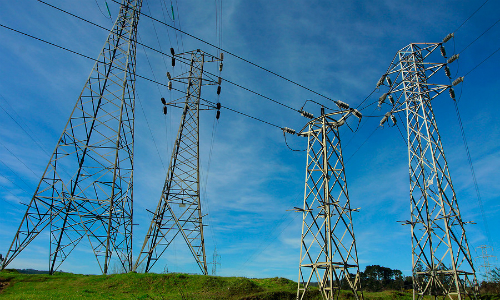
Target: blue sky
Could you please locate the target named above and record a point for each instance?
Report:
(336, 48)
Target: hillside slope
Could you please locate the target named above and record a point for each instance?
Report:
(14, 285)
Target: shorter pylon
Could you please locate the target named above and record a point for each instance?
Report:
(179, 209)
(328, 245)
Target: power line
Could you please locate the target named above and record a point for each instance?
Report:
(362, 144)
(107, 17)
(234, 55)
(138, 75)
(10, 116)
(151, 132)
(165, 54)
(479, 36)
(471, 16)
(498, 49)
(474, 179)
(157, 38)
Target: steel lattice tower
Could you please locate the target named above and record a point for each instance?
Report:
(86, 189)
(179, 208)
(328, 246)
(441, 264)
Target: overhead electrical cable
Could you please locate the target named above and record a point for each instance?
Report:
(27, 133)
(138, 75)
(151, 132)
(498, 49)
(234, 55)
(15, 196)
(473, 173)
(477, 38)
(149, 63)
(15, 174)
(470, 16)
(107, 17)
(157, 38)
(168, 55)
(362, 144)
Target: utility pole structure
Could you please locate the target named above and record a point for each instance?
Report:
(328, 245)
(215, 262)
(441, 261)
(86, 189)
(486, 266)
(179, 209)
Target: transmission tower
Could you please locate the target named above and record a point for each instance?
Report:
(442, 264)
(179, 208)
(486, 266)
(215, 262)
(86, 189)
(328, 246)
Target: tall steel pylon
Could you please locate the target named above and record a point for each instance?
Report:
(485, 257)
(179, 209)
(441, 261)
(328, 245)
(86, 189)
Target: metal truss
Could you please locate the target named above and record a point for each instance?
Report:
(179, 209)
(441, 260)
(86, 189)
(328, 246)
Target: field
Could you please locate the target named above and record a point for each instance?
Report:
(14, 285)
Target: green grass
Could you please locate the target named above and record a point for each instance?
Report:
(142, 286)
(66, 286)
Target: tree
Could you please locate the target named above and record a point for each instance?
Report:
(495, 275)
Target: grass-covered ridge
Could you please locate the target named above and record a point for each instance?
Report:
(175, 286)
(14, 285)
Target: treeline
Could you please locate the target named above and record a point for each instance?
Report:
(376, 278)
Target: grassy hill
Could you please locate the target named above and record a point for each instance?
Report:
(14, 285)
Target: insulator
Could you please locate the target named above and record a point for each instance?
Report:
(168, 76)
(384, 119)
(164, 110)
(218, 90)
(388, 80)
(220, 81)
(173, 61)
(381, 100)
(457, 81)
(381, 80)
(448, 37)
(217, 115)
(218, 106)
(306, 114)
(391, 99)
(342, 104)
(453, 58)
(169, 85)
(340, 123)
(172, 51)
(222, 56)
(393, 119)
(356, 113)
(447, 71)
(163, 101)
(288, 130)
(443, 51)
(220, 67)
(452, 93)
